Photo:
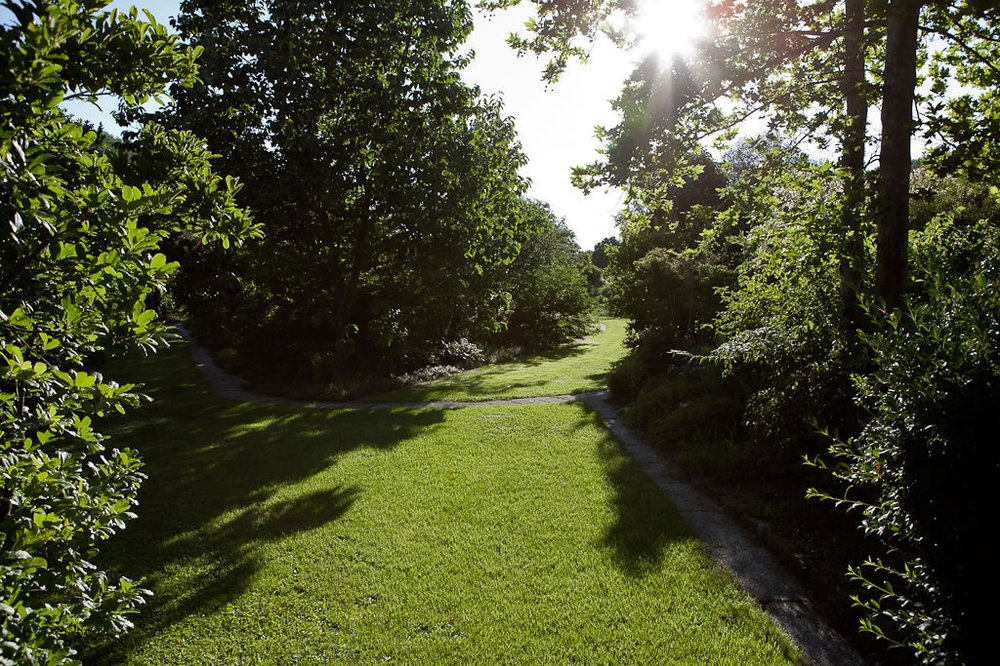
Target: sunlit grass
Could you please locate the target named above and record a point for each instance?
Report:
(576, 368)
(481, 535)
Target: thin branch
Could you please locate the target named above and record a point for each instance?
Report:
(962, 44)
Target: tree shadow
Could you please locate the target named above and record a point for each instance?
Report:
(216, 471)
(645, 523)
(568, 350)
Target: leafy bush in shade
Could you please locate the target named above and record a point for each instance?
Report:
(922, 472)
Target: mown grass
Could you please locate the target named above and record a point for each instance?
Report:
(574, 368)
(480, 535)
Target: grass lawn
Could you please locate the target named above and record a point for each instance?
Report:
(575, 368)
(515, 535)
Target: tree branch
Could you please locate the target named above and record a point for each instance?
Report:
(962, 44)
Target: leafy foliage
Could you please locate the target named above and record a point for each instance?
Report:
(818, 245)
(921, 473)
(549, 301)
(779, 325)
(388, 188)
(663, 277)
(80, 264)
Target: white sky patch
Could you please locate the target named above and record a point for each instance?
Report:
(556, 123)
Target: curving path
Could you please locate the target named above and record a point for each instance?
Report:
(231, 386)
(752, 565)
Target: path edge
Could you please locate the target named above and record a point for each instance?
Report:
(753, 566)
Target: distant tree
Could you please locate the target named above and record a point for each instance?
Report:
(603, 248)
(549, 301)
(658, 278)
(79, 265)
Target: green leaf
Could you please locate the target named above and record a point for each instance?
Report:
(131, 194)
(83, 380)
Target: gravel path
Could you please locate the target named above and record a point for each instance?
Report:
(752, 565)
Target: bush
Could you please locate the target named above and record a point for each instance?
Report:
(686, 402)
(670, 298)
(780, 327)
(549, 301)
(627, 377)
(923, 471)
(462, 353)
(81, 268)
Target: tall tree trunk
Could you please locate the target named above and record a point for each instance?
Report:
(853, 161)
(900, 80)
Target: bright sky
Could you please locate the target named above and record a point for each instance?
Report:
(555, 124)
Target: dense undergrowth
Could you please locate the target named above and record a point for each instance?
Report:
(766, 398)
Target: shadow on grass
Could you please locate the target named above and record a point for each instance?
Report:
(568, 350)
(645, 521)
(216, 471)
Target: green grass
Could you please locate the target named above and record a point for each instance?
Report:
(575, 368)
(481, 535)
(510, 535)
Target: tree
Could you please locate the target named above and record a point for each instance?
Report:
(366, 155)
(660, 279)
(603, 250)
(80, 262)
(802, 63)
(549, 302)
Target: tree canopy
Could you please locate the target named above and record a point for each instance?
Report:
(388, 188)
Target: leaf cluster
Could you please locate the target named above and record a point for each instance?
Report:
(81, 265)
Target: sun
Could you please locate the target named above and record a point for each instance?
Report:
(670, 28)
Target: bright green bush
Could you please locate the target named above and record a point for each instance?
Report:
(79, 265)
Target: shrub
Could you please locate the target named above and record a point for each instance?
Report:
(80, 269)
(549, 302)
(780, 327)
(462, 353)
(670, 299)
(626, 378)
(922, 472)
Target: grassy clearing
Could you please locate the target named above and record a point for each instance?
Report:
(576, 368)
(482, 535)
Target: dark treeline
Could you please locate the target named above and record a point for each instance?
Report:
(387, 189)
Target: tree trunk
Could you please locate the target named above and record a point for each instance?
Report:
(900, 80)
(853, 161)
